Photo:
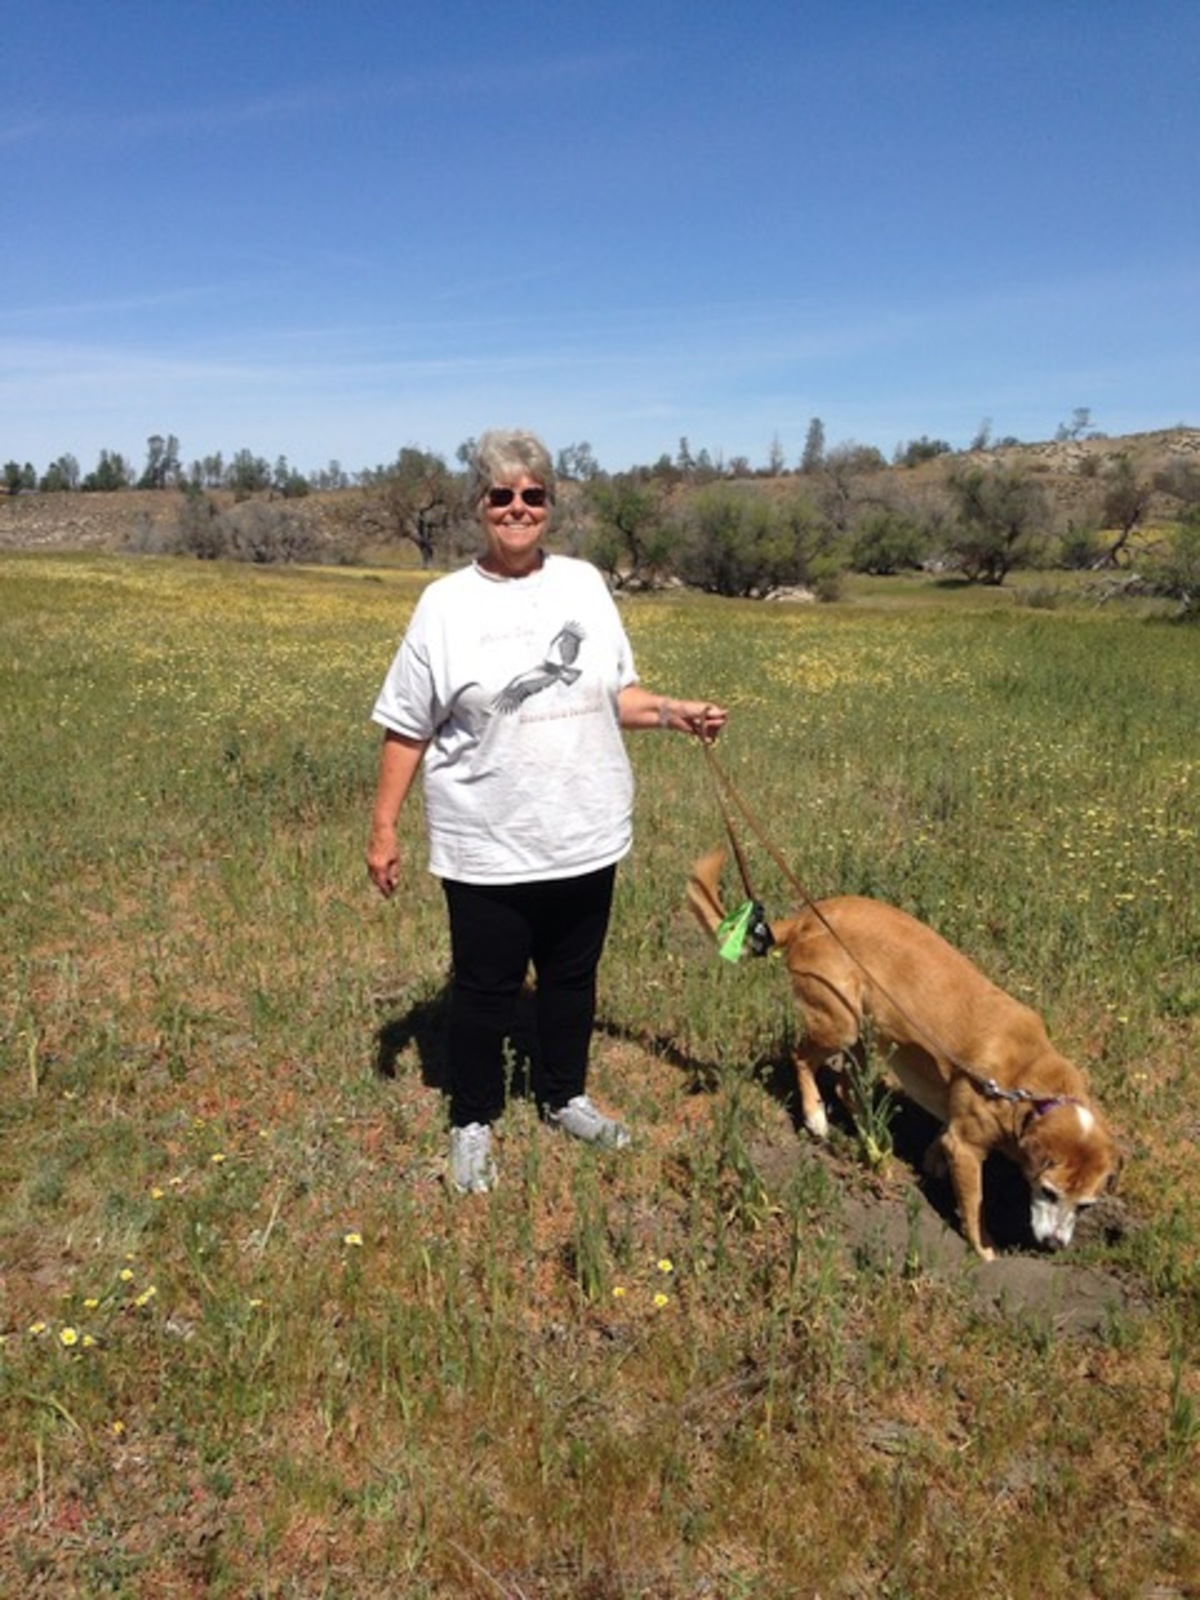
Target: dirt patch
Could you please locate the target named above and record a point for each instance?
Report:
(904, 1222)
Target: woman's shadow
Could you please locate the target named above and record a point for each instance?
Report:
(423, 1026)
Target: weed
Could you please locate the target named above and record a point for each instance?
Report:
(248, 1341)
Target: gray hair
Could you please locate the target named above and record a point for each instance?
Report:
(504, 453)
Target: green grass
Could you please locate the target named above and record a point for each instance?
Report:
(252, 1347)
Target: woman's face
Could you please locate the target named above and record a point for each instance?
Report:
(514, 530)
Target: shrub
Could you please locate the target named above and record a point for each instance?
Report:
(887, 541)
(743, 544)
(265, 534)
(1174, 570)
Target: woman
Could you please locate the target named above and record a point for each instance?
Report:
(511, 687)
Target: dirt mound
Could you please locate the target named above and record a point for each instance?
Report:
(905, 1223)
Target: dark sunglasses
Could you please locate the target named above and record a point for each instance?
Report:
(500, 497)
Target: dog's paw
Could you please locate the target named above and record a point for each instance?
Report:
(817, 1123)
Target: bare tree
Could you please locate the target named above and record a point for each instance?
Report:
(1127, 500)
(415, 499)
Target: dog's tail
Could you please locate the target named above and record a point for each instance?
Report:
(704, 899)
(704, 891)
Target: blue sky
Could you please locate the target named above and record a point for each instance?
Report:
(326, 231)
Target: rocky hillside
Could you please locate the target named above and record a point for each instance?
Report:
(1069, 468)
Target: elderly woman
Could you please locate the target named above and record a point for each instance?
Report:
(511, 688)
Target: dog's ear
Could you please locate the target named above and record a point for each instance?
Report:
(704, 890)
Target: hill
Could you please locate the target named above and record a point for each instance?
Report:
(1070, 469)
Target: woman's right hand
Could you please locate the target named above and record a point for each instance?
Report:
(383, 859)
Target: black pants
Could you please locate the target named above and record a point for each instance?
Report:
(496, 932)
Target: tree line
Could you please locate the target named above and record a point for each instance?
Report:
(693, 518)
(247, 473)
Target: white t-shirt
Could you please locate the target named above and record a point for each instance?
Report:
(514, 682)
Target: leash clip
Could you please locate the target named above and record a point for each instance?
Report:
(759, 938)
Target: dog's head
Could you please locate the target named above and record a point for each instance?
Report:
(1069, 1158)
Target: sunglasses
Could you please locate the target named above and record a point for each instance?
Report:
(500, 497)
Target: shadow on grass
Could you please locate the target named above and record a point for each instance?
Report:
(1006, 1194)
(422, 1026)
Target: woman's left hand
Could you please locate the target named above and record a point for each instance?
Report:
(699, 717)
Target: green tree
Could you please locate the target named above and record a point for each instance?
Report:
(916, 451)
(577, 463)
(631, 540)
(1174, 568)
(813, 457)
(18, 478)
(1003, 518)
(739, 542)
(162, 462)
(247, 474)
(61, 475)
(287, 482)
(887, 541)
(109, 474)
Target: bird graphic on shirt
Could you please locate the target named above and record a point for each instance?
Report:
(557, 666)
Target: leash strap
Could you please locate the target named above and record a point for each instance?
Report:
(728, 797)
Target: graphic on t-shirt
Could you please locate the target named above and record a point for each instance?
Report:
(565, 647)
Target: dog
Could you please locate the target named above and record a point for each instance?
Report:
(961, 1048)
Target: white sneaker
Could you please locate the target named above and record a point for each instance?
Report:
(580, 1118)
(472, 1170)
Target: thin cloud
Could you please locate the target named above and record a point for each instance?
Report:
(300, 102)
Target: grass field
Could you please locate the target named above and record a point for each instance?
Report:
(249, 1346)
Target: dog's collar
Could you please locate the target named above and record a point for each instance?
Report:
(1040, 1104)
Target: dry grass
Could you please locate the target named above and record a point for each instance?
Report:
(252, 1347)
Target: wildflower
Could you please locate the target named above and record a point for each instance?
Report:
(352, 1238)
(217, 1157)
(126, 1274)
(255, 1303)
(666, 1264)
(156, 1193)
(618, 1291)
(91, 1303)
(116, 1428)
(146, 1296)
(68, 1337)
(661, 1299)
(37, 1327)
(89, 1342)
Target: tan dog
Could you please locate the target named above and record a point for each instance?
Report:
(965, 1051)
